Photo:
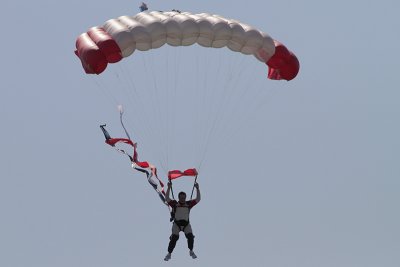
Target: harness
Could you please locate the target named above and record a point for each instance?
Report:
(180, 223)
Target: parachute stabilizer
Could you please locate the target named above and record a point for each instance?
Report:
(283, 65)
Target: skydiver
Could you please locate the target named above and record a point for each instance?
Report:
(180, 216)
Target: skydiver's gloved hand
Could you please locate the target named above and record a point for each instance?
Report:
(196, 185)
(169, 184)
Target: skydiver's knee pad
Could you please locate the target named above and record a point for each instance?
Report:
(190, 240)
(189, 236)
(174, 237)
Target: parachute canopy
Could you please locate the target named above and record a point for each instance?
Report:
(119, 38)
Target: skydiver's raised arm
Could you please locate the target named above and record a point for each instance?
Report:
(167, 198)
(198, 196)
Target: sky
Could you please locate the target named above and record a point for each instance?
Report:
(310, 177)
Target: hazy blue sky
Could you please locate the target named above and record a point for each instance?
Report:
(310, 179)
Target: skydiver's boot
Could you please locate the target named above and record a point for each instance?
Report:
(190, 241)
(191, 253)
(172, 243)
(167, 257)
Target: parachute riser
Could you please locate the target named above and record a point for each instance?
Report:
(195, 181)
